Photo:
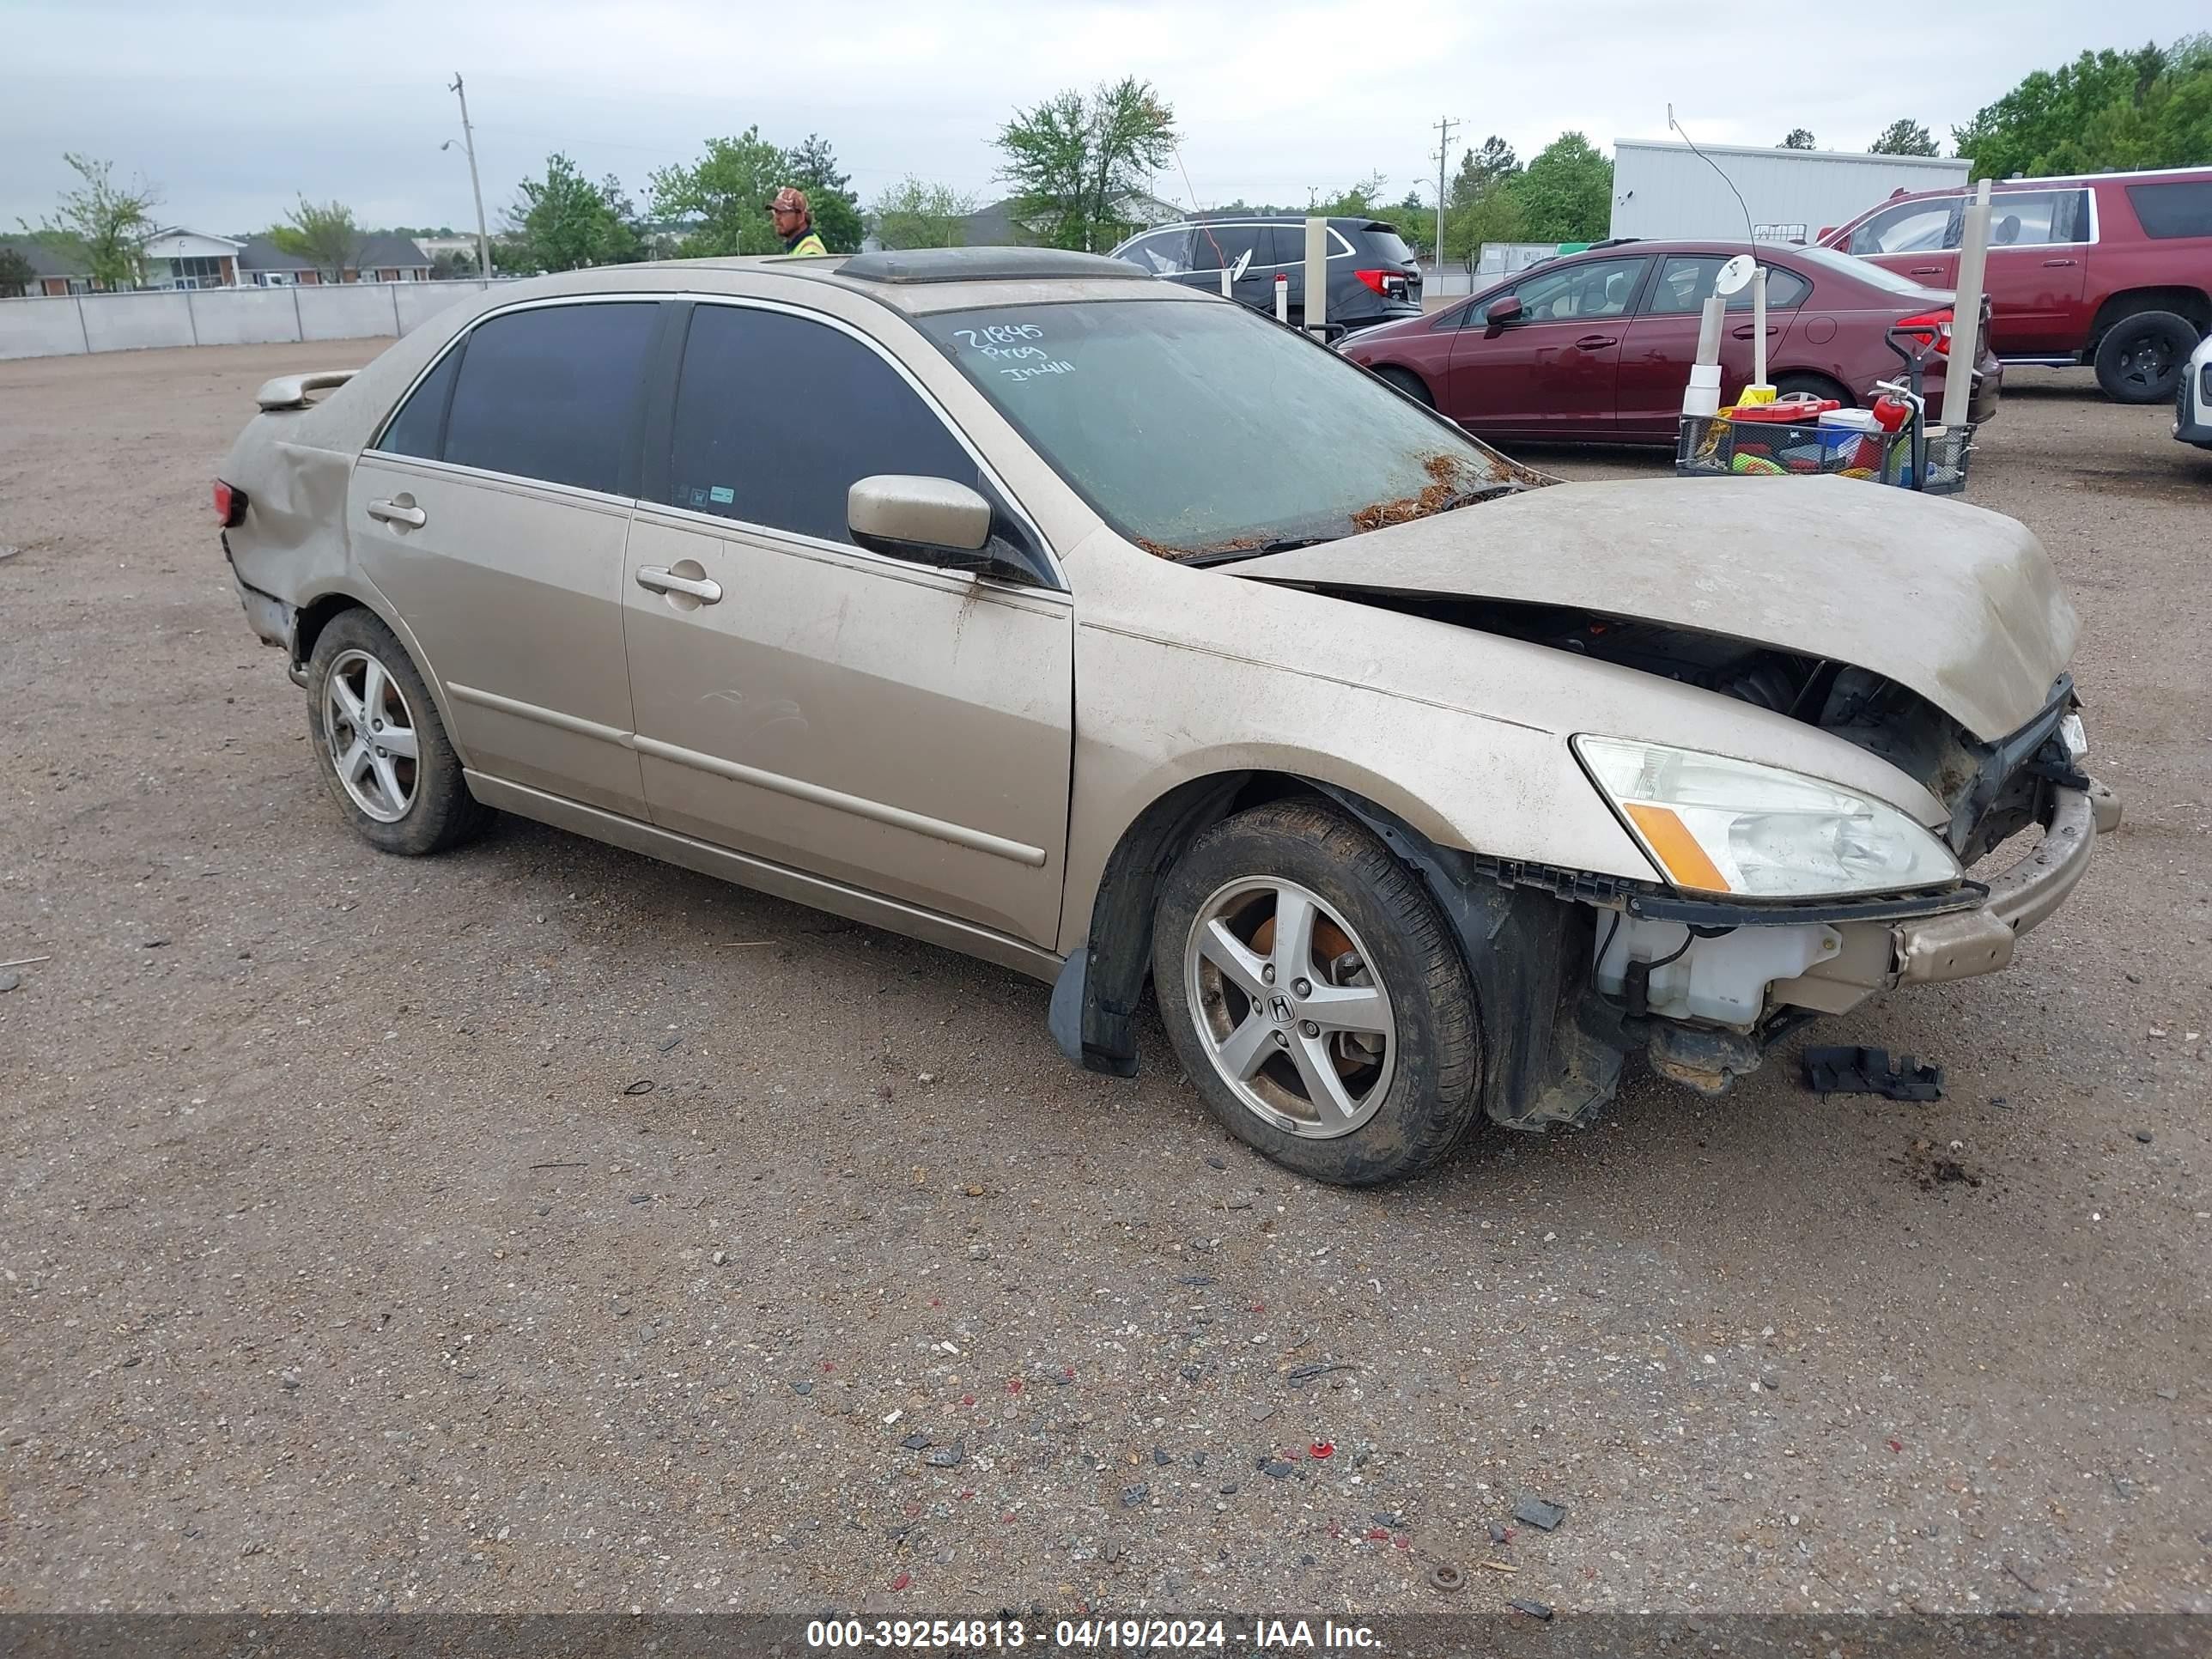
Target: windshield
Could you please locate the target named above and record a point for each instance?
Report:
(1198, 430)
(1863, 270)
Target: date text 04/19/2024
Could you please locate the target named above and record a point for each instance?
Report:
(1263, 1636)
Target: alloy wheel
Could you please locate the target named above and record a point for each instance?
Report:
(370, 731)
(1289, 1008)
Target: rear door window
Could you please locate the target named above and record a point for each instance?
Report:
(2170, 211)
(1910, 227)
(1685, 282)
(552, 393)
(2035, 218)
(777, 416)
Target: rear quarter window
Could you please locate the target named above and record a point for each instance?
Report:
(2167, 212)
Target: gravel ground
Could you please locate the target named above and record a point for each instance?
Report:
(540, 1227)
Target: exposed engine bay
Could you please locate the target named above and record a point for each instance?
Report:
(1993, 790)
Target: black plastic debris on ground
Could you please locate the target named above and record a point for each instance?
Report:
(1851, 1070)
(1534, 1609)
(1537, 1513)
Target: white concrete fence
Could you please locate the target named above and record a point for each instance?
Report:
(73, 325)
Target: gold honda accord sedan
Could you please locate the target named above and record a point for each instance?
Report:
(1108, 630)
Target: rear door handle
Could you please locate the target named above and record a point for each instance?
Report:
(405, 514)
(1597, 341)
(660, 581)
(1746, 331)
(2057, 264)
(1925, 271)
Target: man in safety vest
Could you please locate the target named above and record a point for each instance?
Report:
(794, 221)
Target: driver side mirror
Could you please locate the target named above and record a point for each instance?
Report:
(1503, 311)
(931, 521)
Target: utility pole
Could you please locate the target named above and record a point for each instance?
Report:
(469, 143)
(1443, 161)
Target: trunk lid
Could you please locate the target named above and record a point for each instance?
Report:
(1958, 605)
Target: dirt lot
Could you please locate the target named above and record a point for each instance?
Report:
(542, 1227)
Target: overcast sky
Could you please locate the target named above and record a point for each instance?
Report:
(233, 110)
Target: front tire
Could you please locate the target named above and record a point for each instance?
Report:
(2141, 358)
(379, 744)
(1315, 998)
(1409, 383)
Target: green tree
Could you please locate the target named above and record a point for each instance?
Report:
(1071, 160)
(1798, 139)
(15, 274)
(1361, 196)
(101, 224)
(719, 196)
(2106, 110)
(564, 222)
(1494, 215)
(1904, 137)
(812, 167)
(914, 213)
(323, 234)
(1493, 162)
(1564, 194)
(1416, 221)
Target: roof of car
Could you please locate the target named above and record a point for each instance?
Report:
(945, 284)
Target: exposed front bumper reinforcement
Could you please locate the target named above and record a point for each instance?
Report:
(1968, 943)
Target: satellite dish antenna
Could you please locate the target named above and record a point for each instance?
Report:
(1735, 277)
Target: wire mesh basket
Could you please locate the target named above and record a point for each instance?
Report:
(1713, 446)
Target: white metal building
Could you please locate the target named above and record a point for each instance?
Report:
(1663, 190)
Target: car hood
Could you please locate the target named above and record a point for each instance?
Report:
(1959, 605)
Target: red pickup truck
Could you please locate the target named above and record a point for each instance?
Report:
(2110, 268)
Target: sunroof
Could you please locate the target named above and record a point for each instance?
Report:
(984, 265)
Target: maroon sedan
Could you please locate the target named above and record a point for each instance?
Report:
(1596, 347)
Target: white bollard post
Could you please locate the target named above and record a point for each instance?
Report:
(1758, 326)
(1316, 305)
(1966, 308)
(1227, 277)
(1282, 296)
(1703, 395)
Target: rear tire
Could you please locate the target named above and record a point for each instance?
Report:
(1818, 386)
(2141, 358)
(1314, 1082)
(379, 744)
(1409, 383)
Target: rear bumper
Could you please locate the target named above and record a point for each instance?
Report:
(1969, 942)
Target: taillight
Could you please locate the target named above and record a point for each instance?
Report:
(229, 504)
(1383, 281)
(1934, 326)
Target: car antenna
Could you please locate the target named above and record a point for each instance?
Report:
(1196, 212)
(1750, 234)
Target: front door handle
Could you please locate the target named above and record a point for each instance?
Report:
(405, 514)
(2057, 264)
(1595, 342)
(1925, 271)
(653, 577)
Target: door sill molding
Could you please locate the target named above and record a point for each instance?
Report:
(780, 881)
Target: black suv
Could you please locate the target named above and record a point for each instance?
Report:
(1372, 275)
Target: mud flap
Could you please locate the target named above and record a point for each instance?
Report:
(1064, 1019)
